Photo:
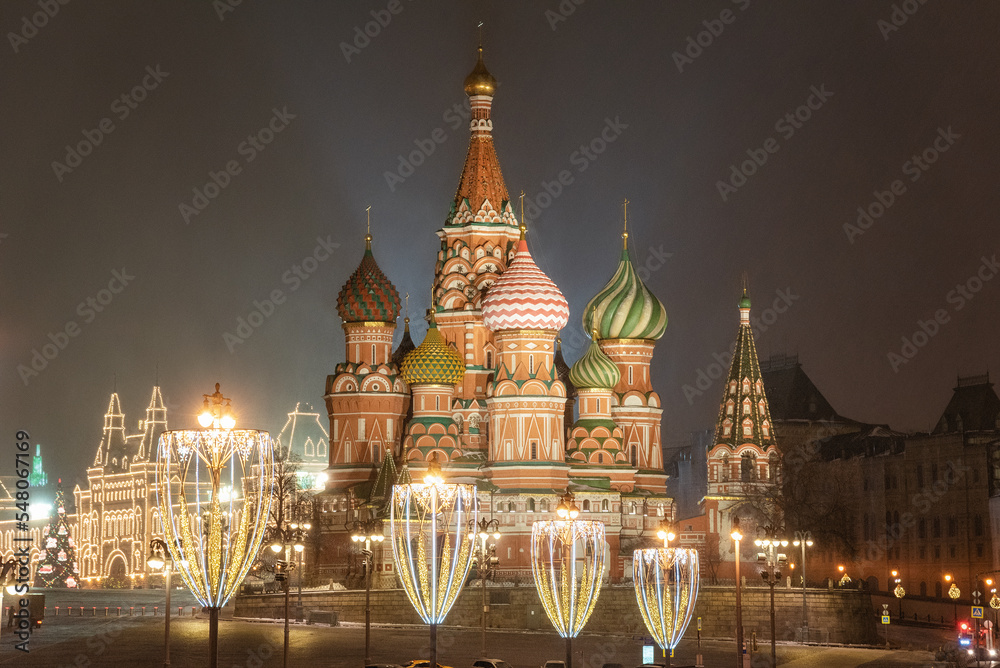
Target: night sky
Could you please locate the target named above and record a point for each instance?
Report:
(885, 83)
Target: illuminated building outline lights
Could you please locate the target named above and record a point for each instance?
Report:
(666, 589)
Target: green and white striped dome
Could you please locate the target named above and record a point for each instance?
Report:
(625, 308)
(594, 370)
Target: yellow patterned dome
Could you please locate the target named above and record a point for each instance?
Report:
(434, 362)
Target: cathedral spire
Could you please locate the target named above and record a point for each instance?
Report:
(744, 416)
(481, 182)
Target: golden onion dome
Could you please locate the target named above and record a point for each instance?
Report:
(480, 81)
(433, 361)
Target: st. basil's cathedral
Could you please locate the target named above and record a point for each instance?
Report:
(488, 397)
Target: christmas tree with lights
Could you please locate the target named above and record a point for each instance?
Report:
(57, 562)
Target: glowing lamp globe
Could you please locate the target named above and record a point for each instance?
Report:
(666, 589)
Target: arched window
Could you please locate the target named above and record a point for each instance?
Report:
(748, 428)
(633, 456)
(489, 359)
(534, 450)
(746, 386)
(732, 387)
(725, 467)
(727, 427)
(730, 405)
(510, 506)
(632, 508)
(586, 505)
(748, 465)
(544, 505)
(531, 505)
(604, 505)
(765, 428)
(746, 406)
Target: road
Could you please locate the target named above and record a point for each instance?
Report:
(84, 642)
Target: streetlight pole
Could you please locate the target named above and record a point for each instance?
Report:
(666, 535)
(486, 560)
(286, 539)
(772, 560)
(368, 531)
(737, 537)
(160, 558)
(804, 539)
(567, 510)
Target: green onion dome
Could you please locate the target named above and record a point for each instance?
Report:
(594, 370)
(625, 308)
(434, 362)
(368, 296)
(745, 301)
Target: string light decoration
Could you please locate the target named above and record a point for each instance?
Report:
(430, 546)
(567, 564)
(666, 589)
(213, 489)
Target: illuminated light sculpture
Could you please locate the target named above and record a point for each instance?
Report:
(213, 488)
(430, 546)
(666, 589)
(567, 564)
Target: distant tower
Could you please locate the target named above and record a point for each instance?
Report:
(37, 477)
(744, 459)
(477, 242)
(154, 425)
(112, 453)
(526, 399)
(365, 396)
(629, 319)
(432, 371)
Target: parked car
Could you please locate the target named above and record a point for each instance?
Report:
(490, 663)
(421, 663)
(554, 664)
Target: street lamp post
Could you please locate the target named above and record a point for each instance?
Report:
(367, 532)
(486, 559)
(300, 548)
(804, 539)
(953, 592)
(737, 537)
(772, 561)
(288, 538)
(898, 591)
(159, 557)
